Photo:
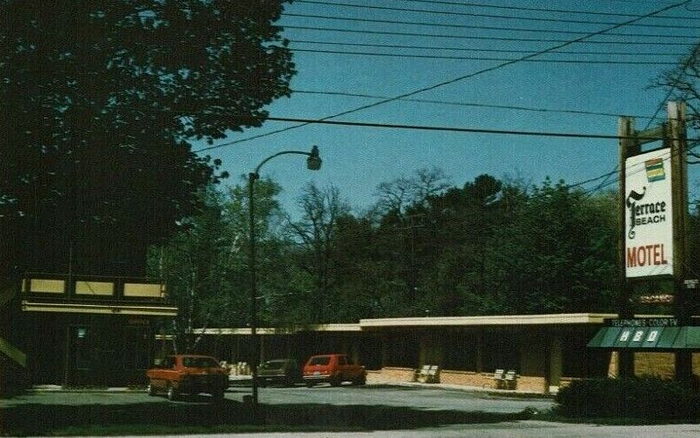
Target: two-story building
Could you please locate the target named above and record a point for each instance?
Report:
(84, 330)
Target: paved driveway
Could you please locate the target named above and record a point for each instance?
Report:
(419, 397)
(406, 411)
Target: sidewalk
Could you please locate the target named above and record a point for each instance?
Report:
(243, 380)
(377, 380)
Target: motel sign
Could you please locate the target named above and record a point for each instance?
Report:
(649, 216)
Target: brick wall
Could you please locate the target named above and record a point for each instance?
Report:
(653, 364)
(464, 378)
(531, 384)
(467, 378)
(392, 374)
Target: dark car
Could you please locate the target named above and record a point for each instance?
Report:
(281, 371)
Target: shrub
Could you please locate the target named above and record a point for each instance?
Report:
(646, 397)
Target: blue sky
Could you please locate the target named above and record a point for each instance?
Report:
(357, 159)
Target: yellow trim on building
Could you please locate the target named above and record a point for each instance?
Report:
(29, 306)
(280, 331)
(556, 319)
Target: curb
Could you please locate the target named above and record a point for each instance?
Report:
(243, 382)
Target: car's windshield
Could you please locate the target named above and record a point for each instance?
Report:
(320, 360)
(274, 364)
(199, 362)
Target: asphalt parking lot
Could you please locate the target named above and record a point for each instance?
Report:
(376, 410)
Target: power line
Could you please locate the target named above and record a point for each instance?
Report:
(465, 49)
(459, 129)
(580, 183)
(469, 4)
(480, 5)
(466, 26)
(486, 38)
(605, 182)
(468, 58)
(615, 171)
(470, 104)
(457, 79)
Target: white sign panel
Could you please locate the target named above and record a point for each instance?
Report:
(649, 220)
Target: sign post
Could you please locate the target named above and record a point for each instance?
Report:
(676, 122)
(653, 214)
(649, 215)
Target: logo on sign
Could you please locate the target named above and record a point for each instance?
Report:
(655, 170)
(643, 214)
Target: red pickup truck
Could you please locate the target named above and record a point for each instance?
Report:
(334, 369)
(188, 373)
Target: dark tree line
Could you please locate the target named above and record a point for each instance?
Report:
(487, 247)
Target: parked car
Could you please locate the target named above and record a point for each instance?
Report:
(334, 369)
(188, 373)
(284, 371)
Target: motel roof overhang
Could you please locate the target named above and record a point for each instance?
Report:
(365, 325)
(335, 328)
(492, 321)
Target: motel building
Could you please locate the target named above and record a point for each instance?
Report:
(72, 330)
(545, 352)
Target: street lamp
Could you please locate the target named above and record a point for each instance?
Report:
(313, 162)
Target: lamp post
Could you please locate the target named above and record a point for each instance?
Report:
(313, 162)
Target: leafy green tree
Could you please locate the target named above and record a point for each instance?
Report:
(101, 99)
(463, 223)
(558, 254)
(193, 265)
(365, 284)
(206, 265)
(401, 208)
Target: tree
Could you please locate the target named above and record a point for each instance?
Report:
(99, 101)
(193, 265)
(317, 234)
(683, 83)
(397, 195)
(206, 265)
(463, 222)
(557, 254)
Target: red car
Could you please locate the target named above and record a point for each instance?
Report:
(334, 369)
(188, 373)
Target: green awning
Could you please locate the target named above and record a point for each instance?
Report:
(647, 338)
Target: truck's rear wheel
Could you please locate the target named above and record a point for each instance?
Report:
(335, 381)
(151, 390)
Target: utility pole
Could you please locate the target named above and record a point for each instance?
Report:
(679, 169)
(628, 147)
